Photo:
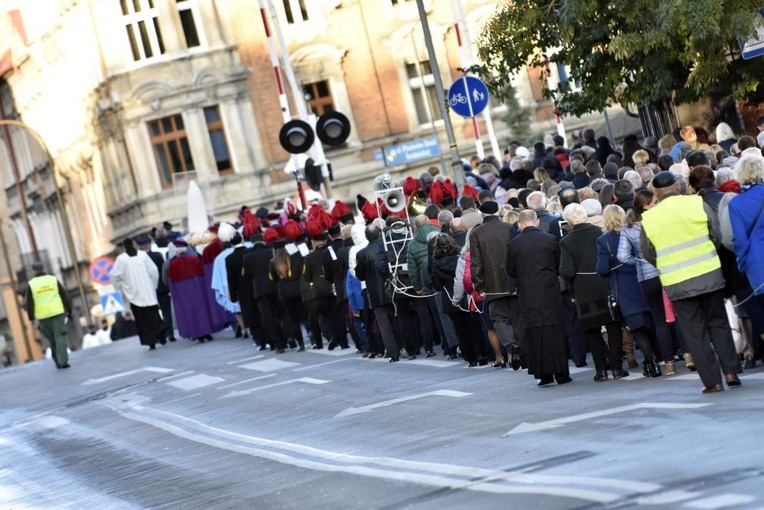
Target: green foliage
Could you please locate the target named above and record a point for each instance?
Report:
(518, 118)
(625, 51)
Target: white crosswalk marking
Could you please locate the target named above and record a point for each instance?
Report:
(269, 365)
(195, 382)
(720, 501)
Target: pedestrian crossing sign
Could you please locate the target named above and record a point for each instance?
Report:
(112, 303)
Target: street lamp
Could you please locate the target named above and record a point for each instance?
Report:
(64, 216)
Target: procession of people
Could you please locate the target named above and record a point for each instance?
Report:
(641, 261)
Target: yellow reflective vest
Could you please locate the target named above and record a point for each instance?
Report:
(47, 301)
(678, 229)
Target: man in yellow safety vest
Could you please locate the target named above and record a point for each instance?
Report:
(679, 237)
(48, 306)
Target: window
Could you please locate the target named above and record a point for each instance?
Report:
(186, 10)
(142, 27)
(319, 97)
(168, 138)
(422, 84)
(217, 139)
(295, 11)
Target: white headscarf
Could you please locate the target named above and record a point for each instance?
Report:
(724, 132)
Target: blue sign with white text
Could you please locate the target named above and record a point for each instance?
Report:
(468, 96)
(754, 47)
(410, 152)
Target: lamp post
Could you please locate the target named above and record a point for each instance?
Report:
(62, 206)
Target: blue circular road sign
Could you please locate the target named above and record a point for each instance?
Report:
(468, 96)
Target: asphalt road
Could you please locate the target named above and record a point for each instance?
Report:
(221, 425)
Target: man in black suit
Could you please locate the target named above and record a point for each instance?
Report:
(163, 291)
(533, 258)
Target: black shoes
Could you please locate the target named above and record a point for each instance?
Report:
(620, 374)
(430, 354)
(651, 369)
(496, 364)
(152, 347)
(239, 333)
(393, 359)
(64, 365)
(545, 381)
(482, 362)
(732, 380)
(280, 351)
(600, 376)
(332, 345)
(562, 378)
(514, 356)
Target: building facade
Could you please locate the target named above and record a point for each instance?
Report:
(135, 98)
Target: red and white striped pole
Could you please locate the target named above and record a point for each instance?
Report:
(560, 125)
(468, 58)
(283, 99)
(463, 59)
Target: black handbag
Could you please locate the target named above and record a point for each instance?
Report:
(612, 302)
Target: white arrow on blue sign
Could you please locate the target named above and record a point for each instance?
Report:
(468, 96)
(754, 47)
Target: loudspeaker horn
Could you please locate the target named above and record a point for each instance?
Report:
(395, 200)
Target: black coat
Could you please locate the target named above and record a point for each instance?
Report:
(517, 180)
(340, 270)
(578, 265)
(442, 273)
(257, 264)
(533, 258)
(158, 259)
(366, 271)
(314, 273)
(488, 257)
(395, 257)
(289, 286)
(234, 264)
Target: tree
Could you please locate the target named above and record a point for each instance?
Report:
(644, 52)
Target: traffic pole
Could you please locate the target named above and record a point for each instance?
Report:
(464, 62)
(283, 99)
(469, 58)
(456, 162)
(560, 125)
(299, 99)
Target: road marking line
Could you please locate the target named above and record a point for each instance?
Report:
(236, 362)
(129, 372)
(424, 473)
(319, 365)
(559, 422)
(195, 382)
(667, 497)
(174, 376)
(365, 409)
(269, 365)
(181, 398)
(246, 381)
(432, 363)
(720, 501)
(307, 380)
(334, 352)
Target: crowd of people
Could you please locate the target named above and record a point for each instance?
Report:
(644, 255)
